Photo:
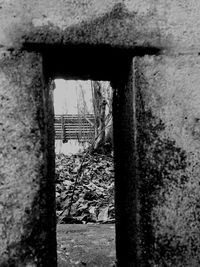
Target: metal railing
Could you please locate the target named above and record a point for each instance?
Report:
(74, 127)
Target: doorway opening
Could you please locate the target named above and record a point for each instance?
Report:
(105, 63)
(84, 172)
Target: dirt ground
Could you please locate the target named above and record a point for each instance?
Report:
(90, 245)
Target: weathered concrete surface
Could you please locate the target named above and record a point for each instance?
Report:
(168, 145)
(125, 160)
(27, 222)
(169, 24)
(165, 156)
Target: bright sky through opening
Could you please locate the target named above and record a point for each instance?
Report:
(67, 94)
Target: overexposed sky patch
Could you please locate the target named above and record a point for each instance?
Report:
(67, 94)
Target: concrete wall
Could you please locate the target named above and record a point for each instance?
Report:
(27, 220)
(163, 23)
(168, 109)
(165, 80)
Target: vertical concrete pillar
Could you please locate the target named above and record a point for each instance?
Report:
(125, 153)
(157, 161)
(168, 146)
(27, 210)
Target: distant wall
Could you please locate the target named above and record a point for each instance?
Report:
(70, 148)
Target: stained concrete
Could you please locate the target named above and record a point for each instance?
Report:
(157, 161)
(168, 108)
(26, 190)
(169, 24)
(155, 43)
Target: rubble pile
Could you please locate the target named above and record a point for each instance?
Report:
(84, 188)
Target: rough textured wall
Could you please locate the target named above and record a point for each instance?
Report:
(162, 23)
(168, 114)
(27, 230)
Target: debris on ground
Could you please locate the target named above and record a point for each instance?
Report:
(85, 188)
